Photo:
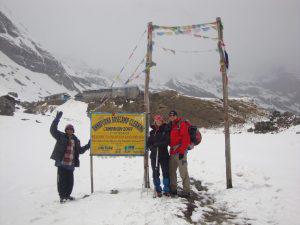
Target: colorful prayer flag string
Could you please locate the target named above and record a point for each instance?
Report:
(134, 72)
(186, 51)
(156, 27)
(117, 77)
(188, 32)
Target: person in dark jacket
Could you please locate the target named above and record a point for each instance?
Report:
(66, 155)
(158, 144)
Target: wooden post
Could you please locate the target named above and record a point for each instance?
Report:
(92, 174)
(225, 104)
(147, 102)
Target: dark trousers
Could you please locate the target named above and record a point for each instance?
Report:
(65, 182)
(163, 163)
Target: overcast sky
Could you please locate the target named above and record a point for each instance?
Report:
(259, 34)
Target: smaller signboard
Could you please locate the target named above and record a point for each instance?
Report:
(121, 134)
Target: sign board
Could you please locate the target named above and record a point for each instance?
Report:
(120, 134)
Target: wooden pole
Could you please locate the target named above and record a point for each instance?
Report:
(92, 174)
(147, 102)
(225, 104)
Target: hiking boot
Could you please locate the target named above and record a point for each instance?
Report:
(158, 194)
(70, 198)
(173, 194)
(167, 194)
(62, 200)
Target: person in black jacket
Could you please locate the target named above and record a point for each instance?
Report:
(66, 155)
(158, 144)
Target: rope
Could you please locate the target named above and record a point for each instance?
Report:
(212, 24)
(122, 69)
(132, 75)
(186, 51)
(129, 58)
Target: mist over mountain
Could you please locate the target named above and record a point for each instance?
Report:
(33, 72)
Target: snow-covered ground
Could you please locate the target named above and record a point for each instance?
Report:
(265, 169)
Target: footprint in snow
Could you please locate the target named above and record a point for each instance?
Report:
(239, 174)
(35, 219)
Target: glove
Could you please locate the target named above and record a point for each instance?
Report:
(155, 145)
(150, 147)
(58, 115)
(181, 156)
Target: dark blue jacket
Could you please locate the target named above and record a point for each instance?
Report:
(159, 139)
(61, 145)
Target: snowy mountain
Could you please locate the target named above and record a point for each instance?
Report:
(31, 71)
(279, 90)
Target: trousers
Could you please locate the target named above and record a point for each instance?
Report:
(163, 162)
(175, 164)
(65, 182)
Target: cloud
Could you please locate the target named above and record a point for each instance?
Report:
(258, 34)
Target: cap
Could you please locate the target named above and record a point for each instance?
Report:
(173, 113)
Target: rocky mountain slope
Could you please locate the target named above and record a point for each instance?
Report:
(201, 112)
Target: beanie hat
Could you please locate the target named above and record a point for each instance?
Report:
(69, 126)
(158, 117)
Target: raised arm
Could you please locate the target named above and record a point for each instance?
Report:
(53, 129)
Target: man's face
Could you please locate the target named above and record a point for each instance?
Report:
(69, 131)
(172, 117)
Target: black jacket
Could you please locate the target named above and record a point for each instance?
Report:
(61, 145)
(159, 139)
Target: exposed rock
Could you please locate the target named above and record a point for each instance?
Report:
(14, 94)
(7, 105)
(40, 107)
(264, 127)
(250, 129)
(277, 122)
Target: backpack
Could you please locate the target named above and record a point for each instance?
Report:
(195, 135)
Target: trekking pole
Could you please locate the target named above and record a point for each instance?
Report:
(156, 170)
(156, 163)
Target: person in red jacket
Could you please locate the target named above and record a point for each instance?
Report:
(179, 142)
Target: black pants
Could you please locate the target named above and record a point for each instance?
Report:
(164, 164)
(65, 182)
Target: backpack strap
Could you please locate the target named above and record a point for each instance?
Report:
(179, 123)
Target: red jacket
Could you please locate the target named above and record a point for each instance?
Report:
(179, 137)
